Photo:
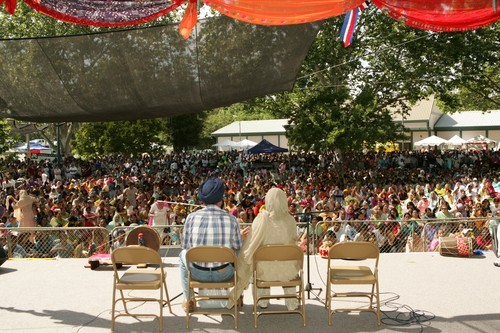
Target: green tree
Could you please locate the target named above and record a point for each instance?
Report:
(5, 143)
(474, 94)
(344, 97)
(184, 132)
(129, 138)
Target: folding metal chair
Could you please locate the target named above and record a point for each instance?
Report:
(211, 254)
(150, 236)
(152, 277)
(273, 254)
(353, 275)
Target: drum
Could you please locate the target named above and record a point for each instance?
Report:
(324, 249)
(455, 246)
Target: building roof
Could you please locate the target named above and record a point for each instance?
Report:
(421, 111)
(469, 119)
(251, 127)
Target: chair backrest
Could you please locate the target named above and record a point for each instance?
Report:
(279, 253)
(210, 254)
(135, 254)
(150, 235)
(354, 250)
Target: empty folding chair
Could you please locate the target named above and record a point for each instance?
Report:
(151, 277)
(355, 275)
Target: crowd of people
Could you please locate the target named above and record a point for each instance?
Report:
(395, 193)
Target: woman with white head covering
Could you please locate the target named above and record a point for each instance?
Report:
(159, 212)
(23, 209)
(273, 225)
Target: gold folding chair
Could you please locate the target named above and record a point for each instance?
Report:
(354, 275)
(152, 277)
(150, 235)
(211, 254)
(275, 253)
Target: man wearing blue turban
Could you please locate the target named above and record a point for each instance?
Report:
(210, 226)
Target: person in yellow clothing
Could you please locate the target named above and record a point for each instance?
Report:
(439, 190)
(59, 219)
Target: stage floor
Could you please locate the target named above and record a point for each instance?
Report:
(455, 294)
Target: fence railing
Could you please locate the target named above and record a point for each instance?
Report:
(74, 242)
(391, 236)
(399, 236)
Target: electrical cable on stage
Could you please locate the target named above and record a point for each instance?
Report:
(408, 317)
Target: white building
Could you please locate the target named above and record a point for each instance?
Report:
(255, 130)
(424, 119)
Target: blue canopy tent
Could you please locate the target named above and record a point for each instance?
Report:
(266, 147)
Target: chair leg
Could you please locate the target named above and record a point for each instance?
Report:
(328, 300)
(190, 292)
(160, 303)
(124, 302)
(255, 300)
(371, 296)
(235, 302)
(303, 302)
(378, 303)
(168, 297)
(113, 306)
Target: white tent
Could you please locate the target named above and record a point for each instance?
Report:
(35, 148)
(245, 144)
(480, 142)
(480, 139)
(433, 140)
(225, 143)
(456, 141)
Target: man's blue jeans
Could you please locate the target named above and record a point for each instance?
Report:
(201, 275)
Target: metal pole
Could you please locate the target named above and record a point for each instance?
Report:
(28, 148)
(239, 125)
(59, 162)
(404, 133)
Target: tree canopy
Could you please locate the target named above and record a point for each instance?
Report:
(129, 138)
(344, 97)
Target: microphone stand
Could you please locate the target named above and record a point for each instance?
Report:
(308, 287)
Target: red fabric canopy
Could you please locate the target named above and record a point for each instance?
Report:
(111, 13)
(442, 15)
(282, 12)
(438, 15)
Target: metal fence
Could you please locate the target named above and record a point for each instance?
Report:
(74, 242)
(391, 237)
(396, 236)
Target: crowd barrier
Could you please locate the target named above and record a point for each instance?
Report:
(396, 236)
(415, 236)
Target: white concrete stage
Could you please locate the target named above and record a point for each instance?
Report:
(455, 294)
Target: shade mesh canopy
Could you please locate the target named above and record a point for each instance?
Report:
(148, 73)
